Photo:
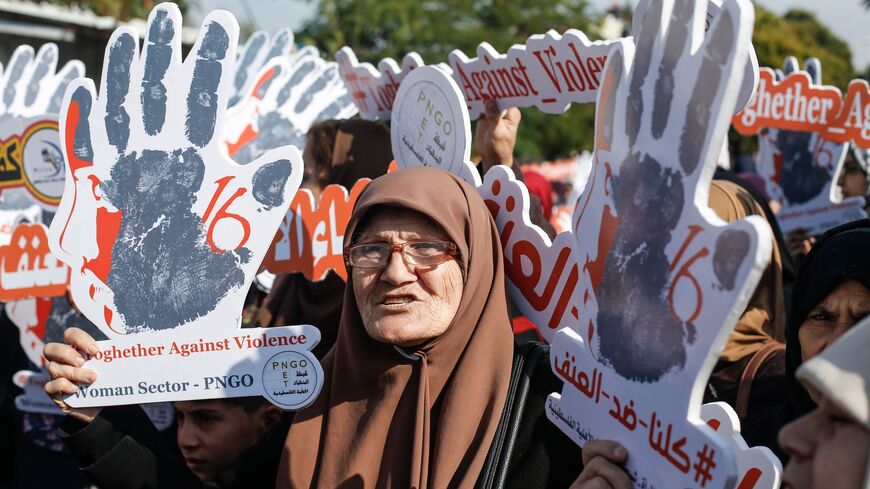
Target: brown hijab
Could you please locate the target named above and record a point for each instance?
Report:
(360, 149)
(423, 417)
(764, 318)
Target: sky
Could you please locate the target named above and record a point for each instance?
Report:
(847, 18)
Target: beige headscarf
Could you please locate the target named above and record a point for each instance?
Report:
(423, 417)
(764, 317)
(841, 373)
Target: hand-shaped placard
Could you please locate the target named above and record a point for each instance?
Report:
(289, 96)
(164, 233)
(31, 163)
(751, 71)
(799, 169)
(258, 50)
(663, 279)
(30, 84)
(757, 467)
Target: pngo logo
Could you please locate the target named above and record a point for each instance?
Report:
(290, 380)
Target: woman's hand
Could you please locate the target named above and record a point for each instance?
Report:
(64, 366)
(496, 135)
(601, 470)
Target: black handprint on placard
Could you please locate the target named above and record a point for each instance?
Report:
(641, 336)
(167, 188)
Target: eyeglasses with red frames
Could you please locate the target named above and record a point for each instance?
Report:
(377, 255)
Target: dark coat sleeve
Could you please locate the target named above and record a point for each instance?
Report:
(122, 448)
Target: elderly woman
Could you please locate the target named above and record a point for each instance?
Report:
(417, 380)
(830, 446)
(831, 294)
(418, 377)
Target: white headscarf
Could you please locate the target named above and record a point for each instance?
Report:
(841, 373)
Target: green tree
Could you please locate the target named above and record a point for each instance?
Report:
(121, 9)
(798, 33)
(376, 29)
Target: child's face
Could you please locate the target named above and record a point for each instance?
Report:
(212, 434)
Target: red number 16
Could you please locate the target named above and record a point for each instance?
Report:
(684, 272)
(222, 213)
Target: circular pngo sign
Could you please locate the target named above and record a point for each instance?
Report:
(430, 123)
(291, 380)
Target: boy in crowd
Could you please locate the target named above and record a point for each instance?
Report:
(224, 443)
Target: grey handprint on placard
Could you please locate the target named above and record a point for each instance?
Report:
(256, 53)
(31, 85)
(180, 216)
(640, 334)
(292, 95)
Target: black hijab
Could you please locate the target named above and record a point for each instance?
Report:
(841, 253)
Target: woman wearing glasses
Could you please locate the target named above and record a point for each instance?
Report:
(417, 380)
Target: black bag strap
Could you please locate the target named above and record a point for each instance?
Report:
(495, 469)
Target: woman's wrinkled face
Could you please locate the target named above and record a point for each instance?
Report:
(840, 310)
(405, 304)
(828, 449)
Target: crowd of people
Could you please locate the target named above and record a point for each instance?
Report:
(417, 354)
